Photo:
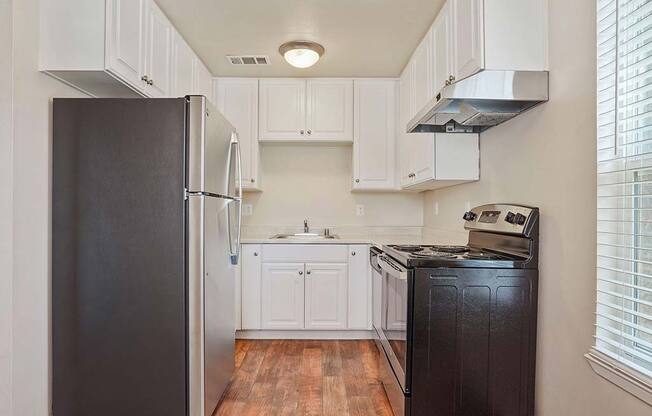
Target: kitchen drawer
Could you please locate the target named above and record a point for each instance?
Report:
(293, 253)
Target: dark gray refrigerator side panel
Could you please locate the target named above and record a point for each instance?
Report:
(118, 258)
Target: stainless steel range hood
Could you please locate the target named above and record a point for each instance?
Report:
(481, 101)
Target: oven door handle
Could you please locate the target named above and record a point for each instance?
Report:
(392, 268)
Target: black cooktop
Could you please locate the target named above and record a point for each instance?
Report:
(451, 256)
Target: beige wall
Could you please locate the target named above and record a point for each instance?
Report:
(31, 219)
(5, 206)
(547, 158)
(314, 182)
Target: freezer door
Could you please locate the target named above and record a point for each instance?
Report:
(211, 302)
(211, 158)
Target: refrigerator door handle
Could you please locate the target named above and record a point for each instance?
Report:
(235, 252)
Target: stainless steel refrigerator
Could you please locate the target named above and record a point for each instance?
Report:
(146, 208)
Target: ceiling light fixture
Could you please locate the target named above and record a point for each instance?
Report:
(301, 53)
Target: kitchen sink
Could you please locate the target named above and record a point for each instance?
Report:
(304, 236)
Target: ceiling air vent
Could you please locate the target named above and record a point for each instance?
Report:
(248, 59)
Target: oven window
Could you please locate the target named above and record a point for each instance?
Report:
(395, 323)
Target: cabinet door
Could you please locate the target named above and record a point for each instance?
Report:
(404, 142)
(251, 286)
(237, 100)
(202, 80)
(124, 40)
(421, 91)
(183, 64)
(423, 156)
(326, 296)
(442, 49)
(359, 316)
(282, 106)
(374, 138)
(282, 296)
(468, 37)
(329, 109)
(158, 56)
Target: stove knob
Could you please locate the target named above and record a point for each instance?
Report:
(520, 219)
(469, 216)
(510, 217)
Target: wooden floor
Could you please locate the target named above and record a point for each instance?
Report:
(282, 377)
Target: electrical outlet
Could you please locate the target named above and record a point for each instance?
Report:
(247, 210)
(359, 210)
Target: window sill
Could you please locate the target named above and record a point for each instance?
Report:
(629, 380)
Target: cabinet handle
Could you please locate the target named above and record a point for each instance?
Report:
(300, 273)
(451, 78)
(145, 78)
(353, 253)
(150, 82)
(411, 175)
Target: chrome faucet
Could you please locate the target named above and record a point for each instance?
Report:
(306, 229)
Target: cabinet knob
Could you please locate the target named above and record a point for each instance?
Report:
(150, 82)
(308, 272)
(253, 181)
(357, 181)
(145, 78)
(353, 253)
(301, 131)
(309, 131)
(451, 78)
(300, 273)
(255, 254)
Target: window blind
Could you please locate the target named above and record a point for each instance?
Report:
(624, 203)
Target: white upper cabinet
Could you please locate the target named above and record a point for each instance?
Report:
(183, 67)
(124, 46)
(329, 114)
(421, 85)
(326, 296)
(468, 37)
(299, 109)
(203, 80)
(282, 109)
(158, 56)
(374, 139)
(445, 159)
(282, 295)
(237, 100)
(117, 48)
(442, 49)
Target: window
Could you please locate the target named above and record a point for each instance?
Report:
(623, 335)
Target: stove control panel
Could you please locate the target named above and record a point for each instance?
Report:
(502, 218)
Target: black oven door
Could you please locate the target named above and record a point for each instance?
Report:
(393, 316)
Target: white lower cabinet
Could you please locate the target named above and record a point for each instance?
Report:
(282, 295)
(305, 287)
(326, 296)
(359, 287)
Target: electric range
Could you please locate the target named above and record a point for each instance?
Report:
(437, 308)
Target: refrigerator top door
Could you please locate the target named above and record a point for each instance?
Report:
(213, 157)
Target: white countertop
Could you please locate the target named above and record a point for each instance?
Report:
(375, 240)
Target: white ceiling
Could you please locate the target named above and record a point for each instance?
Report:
(363, 38)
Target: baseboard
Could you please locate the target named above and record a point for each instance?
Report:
(303, 334)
